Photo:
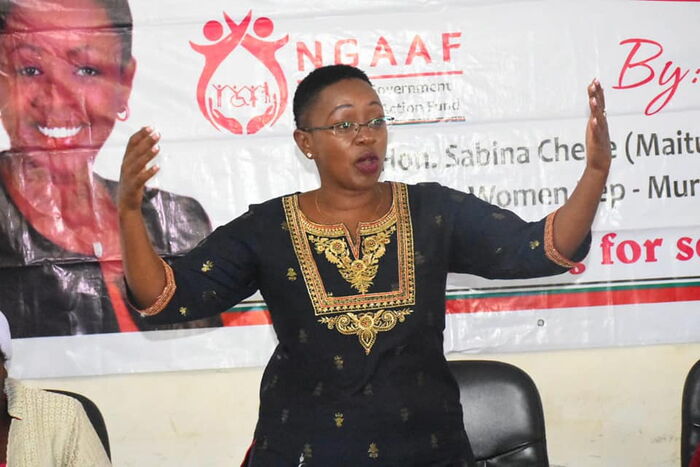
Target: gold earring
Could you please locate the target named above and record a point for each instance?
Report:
(309, 156)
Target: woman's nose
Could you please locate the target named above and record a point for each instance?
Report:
(58, 94)
(365, 134)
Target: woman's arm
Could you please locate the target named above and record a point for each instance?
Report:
(143, 268)
(573, 220)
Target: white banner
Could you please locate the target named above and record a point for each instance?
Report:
(489, 98)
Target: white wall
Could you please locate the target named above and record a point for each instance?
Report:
(603, 407)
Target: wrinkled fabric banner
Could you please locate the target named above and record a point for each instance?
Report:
(489, 98)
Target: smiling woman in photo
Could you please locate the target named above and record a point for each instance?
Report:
(66, 75)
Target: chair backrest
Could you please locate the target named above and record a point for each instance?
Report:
(94, 415)
(690, 414)
(503, 413)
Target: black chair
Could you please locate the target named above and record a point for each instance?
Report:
(690, 415)
(503, 414)
(94, 415)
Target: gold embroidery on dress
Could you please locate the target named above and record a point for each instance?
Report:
(291, 274)
(207, 266)
(339, 418)
(359, 272)
(366, 325)
(323, 301)
(183, 310)
(373, 451)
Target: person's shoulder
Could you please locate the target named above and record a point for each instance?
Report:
(258, 216)
(31, 401)
(434, 191)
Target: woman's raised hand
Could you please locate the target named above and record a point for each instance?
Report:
(135, 172)
(143, 268)
(597, 136)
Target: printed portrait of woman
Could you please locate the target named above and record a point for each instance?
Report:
(66, 73)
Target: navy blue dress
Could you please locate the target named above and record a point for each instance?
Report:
(359, 376)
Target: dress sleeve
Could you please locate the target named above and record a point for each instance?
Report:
(214, 276)
(497, 244)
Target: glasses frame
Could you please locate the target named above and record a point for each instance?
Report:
(355, 126)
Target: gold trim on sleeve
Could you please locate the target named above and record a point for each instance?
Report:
(165, 296)
(549, 248)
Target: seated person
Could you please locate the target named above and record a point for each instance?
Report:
(40, 427)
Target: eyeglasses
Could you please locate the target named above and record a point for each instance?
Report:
(353, 128)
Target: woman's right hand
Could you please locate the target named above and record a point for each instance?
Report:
(140, 150)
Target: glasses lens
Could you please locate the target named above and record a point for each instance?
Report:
(343, 128)
(377, 123)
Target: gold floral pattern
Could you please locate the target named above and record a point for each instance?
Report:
(366, 325)
(207, 266)
(358, 272)
(291, 274)
(373, 451)
(324, 302)
(183, 310)
(339, 418)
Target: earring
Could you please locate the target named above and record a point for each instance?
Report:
(123, 114)
(309, 156)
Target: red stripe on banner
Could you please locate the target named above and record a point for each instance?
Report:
(416, 75)
(522, 302)
(246, 318)
(573, 300)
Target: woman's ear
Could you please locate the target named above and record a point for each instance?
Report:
(303, 140)
(126, 81)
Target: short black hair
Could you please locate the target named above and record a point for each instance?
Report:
(118, 12)
(311, 86)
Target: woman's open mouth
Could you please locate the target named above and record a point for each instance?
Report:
(368, 164)
(59, 132)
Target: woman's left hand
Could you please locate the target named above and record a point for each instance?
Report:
(598, 153)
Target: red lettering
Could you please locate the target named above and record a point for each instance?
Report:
(636, 251)
(417, 49)
(353, 56)
(303, 51)
(685, 249)
(650, 249)
(580, 268)
(447, 45)
(629, 64)
(676, 76)
(606, 244)
(383, 50)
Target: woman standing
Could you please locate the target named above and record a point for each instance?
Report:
(354, 274)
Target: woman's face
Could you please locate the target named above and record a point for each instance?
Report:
(63, 81)
(354, 161)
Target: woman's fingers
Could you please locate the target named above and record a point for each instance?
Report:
(143, 146)
(141, 149)
(597, 136)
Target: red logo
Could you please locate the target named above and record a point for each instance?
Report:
(249, 91)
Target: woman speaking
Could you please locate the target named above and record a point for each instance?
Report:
(353, 274)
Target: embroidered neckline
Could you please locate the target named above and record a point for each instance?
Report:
(325, 303)
(339, 229)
